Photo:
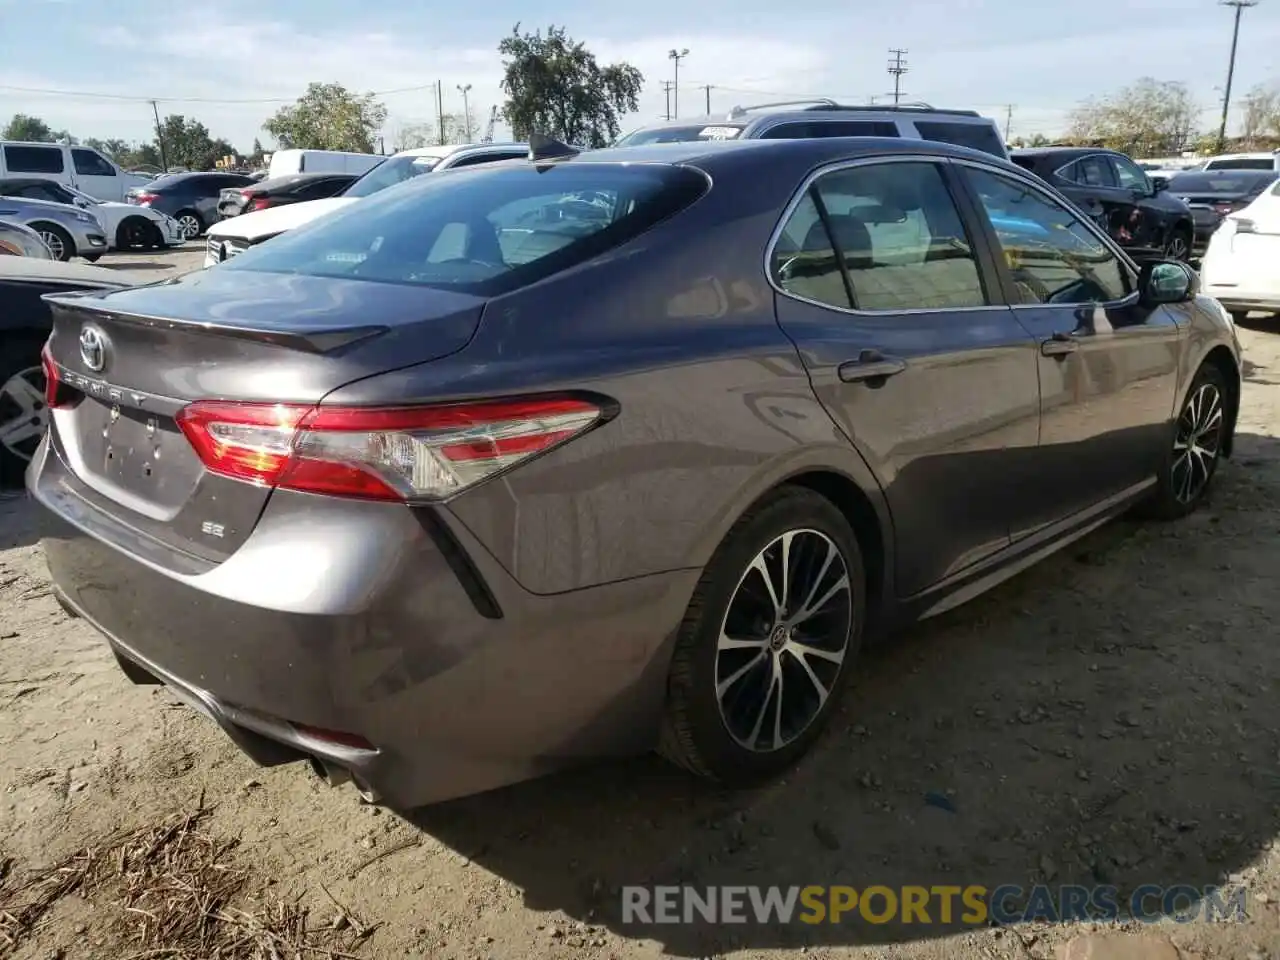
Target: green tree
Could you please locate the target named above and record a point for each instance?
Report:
(1151, 118)
(554, 86)
(33, 130)
(187, 143)
(329, 117)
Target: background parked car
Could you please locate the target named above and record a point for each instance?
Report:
(231, 237)
(127, 226)
(1213, 194)
(190, 198)
(1240, 265)
(820, 118)
(24, 327)
(19, 241)
(81, 167)
(1117, 194)
(67, 231)
(1244, 161)
(285, 162)
(281, 191)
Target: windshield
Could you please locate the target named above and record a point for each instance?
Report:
(79, 195)
(390, 172)
(689, 134)
(485, 230)
(1234, 184)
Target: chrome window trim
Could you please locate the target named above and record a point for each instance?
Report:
(1030, 181)
(798, 198)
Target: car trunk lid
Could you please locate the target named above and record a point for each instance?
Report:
(132, 359)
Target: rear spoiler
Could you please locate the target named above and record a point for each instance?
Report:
(318, 340)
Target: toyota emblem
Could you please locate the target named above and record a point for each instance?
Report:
(93, 349)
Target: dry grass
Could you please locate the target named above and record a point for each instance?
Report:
(174, 893)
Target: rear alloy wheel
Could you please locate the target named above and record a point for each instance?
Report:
(57, 240)
(1198, 438)
(189, 220)
(23, 414)
(768, 640)
(1178, 246)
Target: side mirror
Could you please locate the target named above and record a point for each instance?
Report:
(1159, 184)
(82, 204)
(1167, 281)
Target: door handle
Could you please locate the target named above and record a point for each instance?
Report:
(870, 365)
(1059, 345)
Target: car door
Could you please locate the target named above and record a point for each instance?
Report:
(1108, 366)
(913, 352)
(1148, 222)
(95, 175)
(1090, 183)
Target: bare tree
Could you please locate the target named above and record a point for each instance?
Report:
(1261, 113)
(1150, 118)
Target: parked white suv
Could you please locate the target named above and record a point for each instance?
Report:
(81, 168)
(235, 235)
(803, 119)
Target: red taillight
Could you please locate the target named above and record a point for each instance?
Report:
(259, 203)
(54, 396)
(396, 453)
(338, 737)
(143, 199)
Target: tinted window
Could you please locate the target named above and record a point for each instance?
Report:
(46, 191)
(1243, 183)
(1051, 255)
(1242, 163)
(390, 172)
(701, 131)
(89, 164)
(976, 136)
(319, 189)
(33, 159)
(896, 229)
(810, 129)
(484, 231)
(480, 158)
(1093, 171)
(1129, 176)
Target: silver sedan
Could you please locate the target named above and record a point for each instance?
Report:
(66, 230)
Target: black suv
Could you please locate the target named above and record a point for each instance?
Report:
(1117, 194)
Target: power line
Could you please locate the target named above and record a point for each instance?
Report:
(139, 99)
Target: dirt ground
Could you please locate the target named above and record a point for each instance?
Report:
(1110, 716)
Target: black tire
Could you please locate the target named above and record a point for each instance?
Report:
(19, 355)
(696, 730)
(1177, 245)
(199, 223)
(1174, 497)
(64, 249)
(137, 233)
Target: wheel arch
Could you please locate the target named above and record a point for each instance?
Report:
(70, 240)
(1224, 360)
(840, 476)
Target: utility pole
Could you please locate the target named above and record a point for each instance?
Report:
(1008, 119)
(164, 163)
(440, 110)
(676, 56)
(466, 108)
(1231, 65)
(666, 88)
(707, 87)
(897, 67)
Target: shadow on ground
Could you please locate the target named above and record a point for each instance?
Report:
(1109, 717)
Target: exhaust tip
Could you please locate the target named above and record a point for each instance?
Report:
(332, 775)
(367, 793)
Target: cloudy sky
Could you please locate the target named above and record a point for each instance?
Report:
(200, 58)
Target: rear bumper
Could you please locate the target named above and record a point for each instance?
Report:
(375, 631)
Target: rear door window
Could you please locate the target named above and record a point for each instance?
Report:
(485, 231)
(976, 136)
(89, 164)
(33, 159)
(810, 129)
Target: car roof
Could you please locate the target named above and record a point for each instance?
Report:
(449, 149)
(816, 149)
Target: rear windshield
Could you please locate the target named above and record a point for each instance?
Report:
(1242, 163)
(975, 136)
(689, 134)
(390, 172)
(485, 230)
(1236, 184)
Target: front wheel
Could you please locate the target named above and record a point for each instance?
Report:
(1198, 439)
(138, 233)
(767, 642)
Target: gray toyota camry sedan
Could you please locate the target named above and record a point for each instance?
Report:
(604, 452)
